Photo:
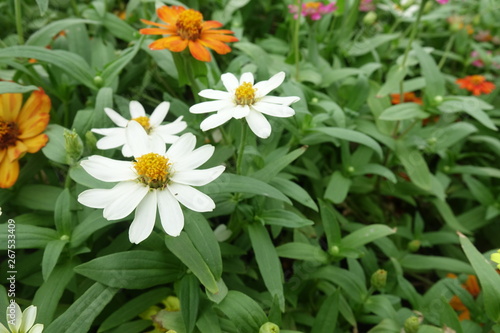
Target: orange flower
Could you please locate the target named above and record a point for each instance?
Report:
(472, 287)
(20, 128)
(476, 84)
(186, 28)
(407, 97)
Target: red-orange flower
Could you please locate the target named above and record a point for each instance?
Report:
(472, 287)
(476, 84)
(186, 28)
(20, 128)
(407, 97)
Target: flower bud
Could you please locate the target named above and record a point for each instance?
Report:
(414, 245)
(438, 99)
(73, 145)
(370, 18)
(412, 324)
(269, 328)
(379, 279)
(172, 304)
(334, 250)
(98, 81)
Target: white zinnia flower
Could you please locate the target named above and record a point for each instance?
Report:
(244, 99)
(21, 322)
(155, 179)
(115, 137)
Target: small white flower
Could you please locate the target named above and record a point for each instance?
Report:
(21, 322)
(222, 233)
(244, 99)
(155, 180)
(115, 137)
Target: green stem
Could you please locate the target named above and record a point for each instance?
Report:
(75, 8)
(241, 148)
(19, 22)
(446, 51)
(192, 79)
(413, 32)
(296, 39)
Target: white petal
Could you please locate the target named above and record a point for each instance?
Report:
(4, 329)
(280, 100)
(171, 216)
(126, 151)
(184, 145)
(246, 77)
(108, 131)
(198, 177)
(144, 220)
(17, 316)
(98, 198)
(116, 117)
(29, 315)
(214, 94)
(194, 159)
(111, 141)
(126, 202)
(157, 144)
(166, 132)
(264, 87)
(191, 197)
(217, 119)
(259, 124)
(230, 82)
(222, 233)
(137, 139)
(159, 114)
(210, 106)
(136, 110)
(109, 170)
(274, 110)
(241, 111)
(38, 328)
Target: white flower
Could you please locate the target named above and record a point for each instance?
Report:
(243, 99)
(156, 179)
(115, 137)
(21, 322)
(406, 9)
(222, 233)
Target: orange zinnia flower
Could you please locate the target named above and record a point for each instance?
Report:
(20, 128)
(186, 28)
(407, 97)
(476, 84)
(472, 287)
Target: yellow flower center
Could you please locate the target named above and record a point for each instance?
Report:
(189, 24)
(312, 5)
(477, 79)
(153, 170)
(8, 134)
(245, 94)
(144, 121)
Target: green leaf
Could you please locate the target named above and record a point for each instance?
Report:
(352, 284)
(473, 106)
(284, 218)
(351, 135)
(415, 165)
(450, 135)
(72, 64)
(434, 80)
(476, 170)
(294, 191)
(171, 320)
(366, 235)
(404, 111)
(28, 236)
(203, 238)
(490, 280)
(427, 262)
(51, 256)
(370, 44)
(79, 175)
(55, 149)
(337, 188)
(189, 296)
(393, 80)
(183, 248)
(243, 312)
(375, 169)
(132, 269)
(14, 88)
(37, 196)
(113, 69)
(90, 224)
(479, 190)
(208, 322)
(104, 99)
(448, 216)
(43, 5)
(387, 326)
(327, 315)
(220, 295)
(330, 224)
(268, 261)
(449, 316)
(43, 37)
(339, 74)
(79, 316)
(62, 213)
(275, 166)
(230, 183)
(302, 251)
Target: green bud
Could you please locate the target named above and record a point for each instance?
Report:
(334, 250)
(73, 145)
(428, 7)
(438, 99)
(98, 81)
(314, 100)
(414, 245)
(269, 328)
(379, 279)
(90, 140)
(446, 168)
(476, 20)
(412, 324)
(64, 237)
(370, 18)
(350, 169)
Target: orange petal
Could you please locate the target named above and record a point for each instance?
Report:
(9, 171)
(457, 304)
(36, 143)
(211, 25)
(10, 104)
(173, 43)
(16, 152)
(34, 115)
(199, 52)
(472, 286)
(221, 37)
(464, 315)
(169, 14)
(154, 31)
(216, 45)
(156, 24)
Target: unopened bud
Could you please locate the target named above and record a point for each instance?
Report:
(172, 304)
(73, 145)
(412, 324)
(379, 279)
(98, 81)
(370, 18)
(414, 245)
(334, 250)
(269, 328)
(438, 99)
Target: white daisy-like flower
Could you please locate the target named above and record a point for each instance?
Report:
(155, 180)
(21, 322)
(115, 137)
(406, 8)
(244, 99)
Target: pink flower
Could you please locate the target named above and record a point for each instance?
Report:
(366, 5)
(315, 10)
(478, 62)
(442, 2)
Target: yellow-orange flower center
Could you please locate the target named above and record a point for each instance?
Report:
(144, 121)
(153, 170)
(189, 24)
(8, 134)
(477, 79)
(245, 94)
(313, 5)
